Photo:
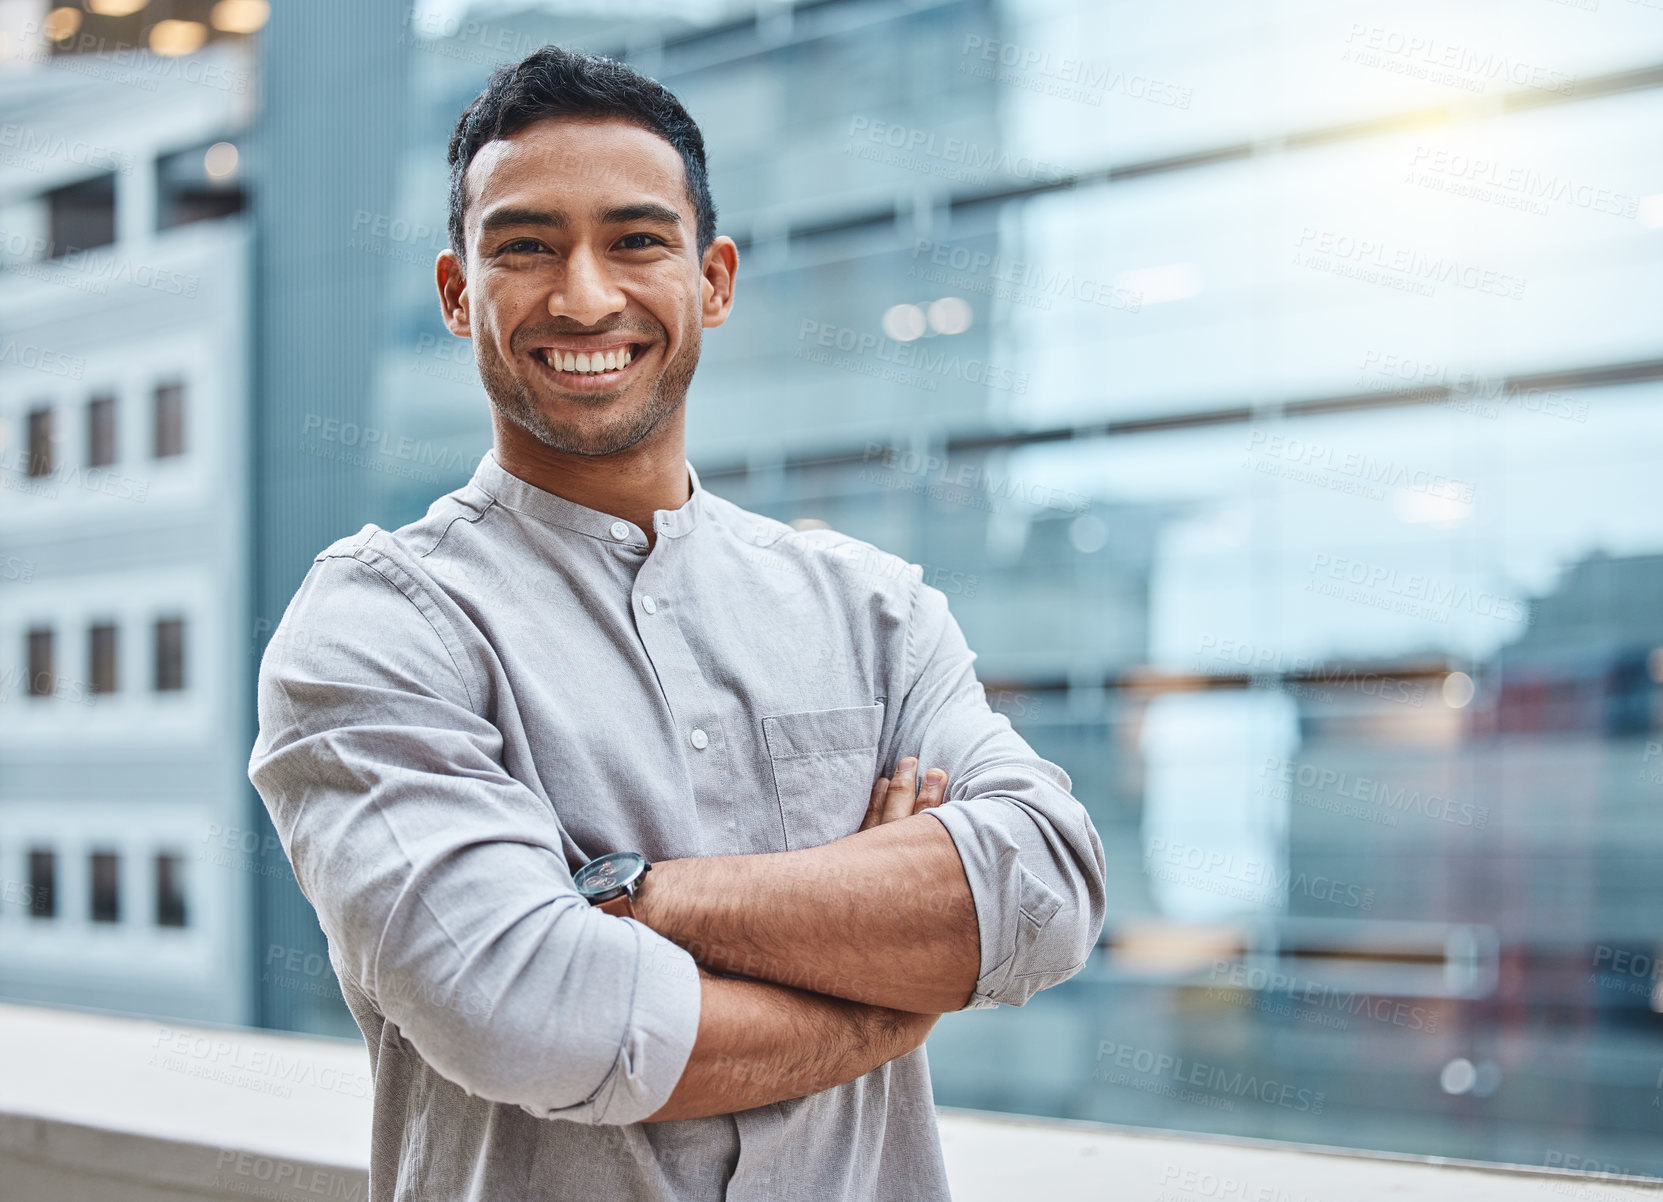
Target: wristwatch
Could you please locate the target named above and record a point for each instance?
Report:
(609, 882)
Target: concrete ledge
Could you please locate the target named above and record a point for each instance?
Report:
(1004, 1157)
(95, 1108)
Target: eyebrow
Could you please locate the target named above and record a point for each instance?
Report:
(499, 219)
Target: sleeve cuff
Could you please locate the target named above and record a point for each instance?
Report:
(658, 1036)
(1013, 905)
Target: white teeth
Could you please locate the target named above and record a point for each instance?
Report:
(587, 363)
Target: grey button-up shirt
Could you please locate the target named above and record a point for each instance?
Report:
(456, 715)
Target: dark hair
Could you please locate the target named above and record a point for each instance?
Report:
(552, 82)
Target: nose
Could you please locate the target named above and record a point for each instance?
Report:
(586, 292)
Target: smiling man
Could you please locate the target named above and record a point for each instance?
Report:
(587, 772)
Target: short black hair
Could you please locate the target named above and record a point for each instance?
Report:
(551, 82)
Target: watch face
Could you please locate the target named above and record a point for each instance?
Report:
(609, 874)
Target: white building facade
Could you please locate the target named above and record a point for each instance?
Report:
(125, 653)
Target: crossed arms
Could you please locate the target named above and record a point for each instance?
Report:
(882, 919)
(449, 905)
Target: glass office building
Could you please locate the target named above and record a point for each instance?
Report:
(1275, 397)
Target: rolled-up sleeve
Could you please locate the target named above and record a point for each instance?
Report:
(439, 878)
(1031, 855)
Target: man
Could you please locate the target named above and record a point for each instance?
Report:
(584, 654)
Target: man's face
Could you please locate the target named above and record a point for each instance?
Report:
(584, 292)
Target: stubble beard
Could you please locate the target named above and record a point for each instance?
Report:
(514, 399)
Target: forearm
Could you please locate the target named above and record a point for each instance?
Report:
(884, 916)
(759, 1043)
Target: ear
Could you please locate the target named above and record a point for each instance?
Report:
(721, 264)
(453, 293)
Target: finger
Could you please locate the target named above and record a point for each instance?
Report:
(933, 791)
(874, 807)
(903, 790)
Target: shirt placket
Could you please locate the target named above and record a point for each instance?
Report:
(705, 742)
(710, 752)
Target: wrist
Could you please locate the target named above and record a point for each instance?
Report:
(650, 901)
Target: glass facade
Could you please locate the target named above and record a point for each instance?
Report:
(1275, 395)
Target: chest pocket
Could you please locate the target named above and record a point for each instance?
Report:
(825, 762)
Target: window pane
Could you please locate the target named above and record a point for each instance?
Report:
(170, 891)
(198, 184)
(41, 679)
(101, 654)
(170, 420)
(40, 442)
(170, 654)
(82, 216)
(106, 887)
(101, 431)
(43, 884)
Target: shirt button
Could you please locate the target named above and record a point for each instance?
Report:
(648, 604)
(699, 739)
(620, 531)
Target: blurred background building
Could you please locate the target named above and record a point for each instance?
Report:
(1273, 390)
(124, 529)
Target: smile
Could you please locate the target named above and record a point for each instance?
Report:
(608, 361)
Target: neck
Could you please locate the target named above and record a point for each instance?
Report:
(631, 484)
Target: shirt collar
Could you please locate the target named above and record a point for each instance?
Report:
(514, 493)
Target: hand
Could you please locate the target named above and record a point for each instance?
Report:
(901, 797)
